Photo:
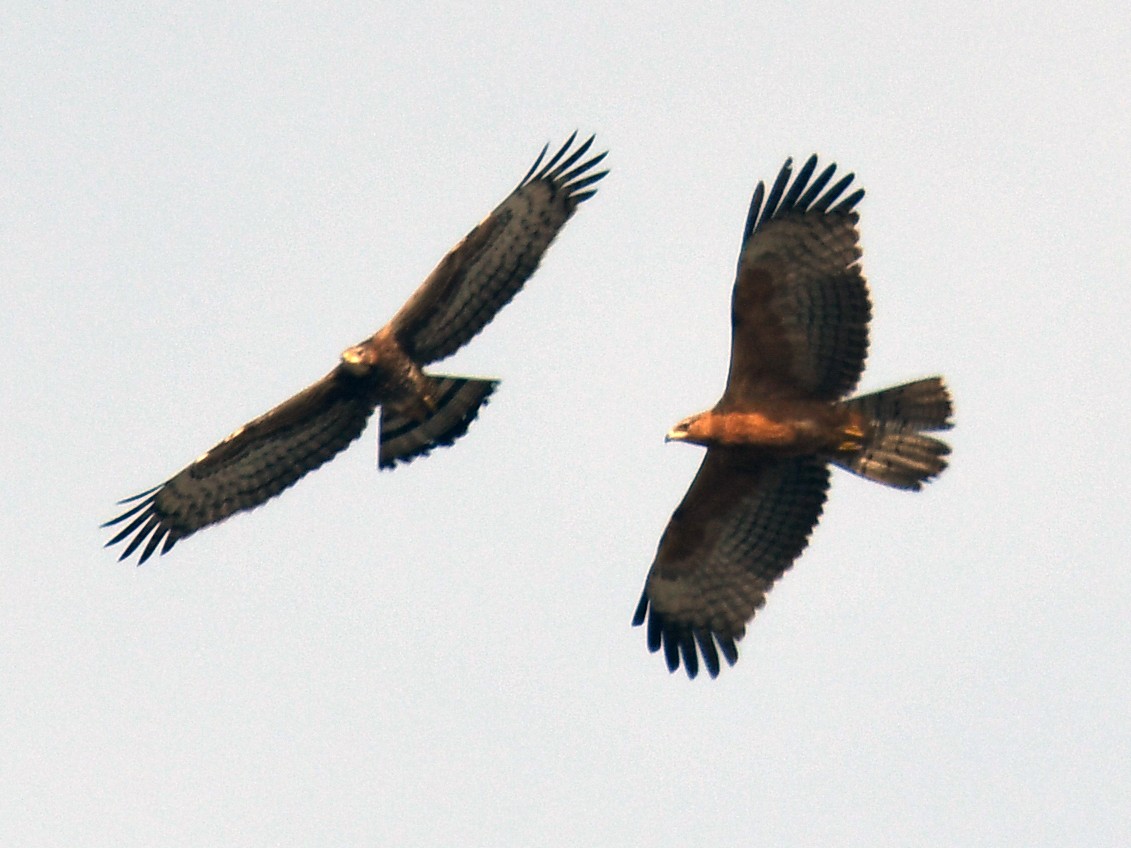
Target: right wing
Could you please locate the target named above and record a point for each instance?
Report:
(484, 271)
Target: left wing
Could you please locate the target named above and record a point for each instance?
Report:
(485, 270)
(252, 465)
(742, 523)
(800, 308)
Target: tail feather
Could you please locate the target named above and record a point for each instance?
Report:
(923, 405)
(457, 403)
(895, 450)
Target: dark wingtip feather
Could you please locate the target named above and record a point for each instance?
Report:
(671, 650)
(564, 173)
(655, 633)
(139, 495)
(755, 208)
(815, 187)
(641, 609)
(148, 494)
(534, 167)
(549, 166)
(849, 202)
(689, 654)
(682, 644)
(830, 196)
(582, 168)
(799, 183)
(127, 513)
(729, 649)
(128, 529)
(576, 185)
(565, 164)
(770, 209)
(170, 540)
(709, 652)
(148, 527)
(578, 179)
(800, 196)
(159, 534)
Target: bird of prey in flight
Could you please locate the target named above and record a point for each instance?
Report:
(800, 311)
(419, 410)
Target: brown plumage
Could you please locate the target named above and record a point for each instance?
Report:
(800, 313)
(419, 411)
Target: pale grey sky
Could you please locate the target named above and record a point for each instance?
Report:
(202, 205)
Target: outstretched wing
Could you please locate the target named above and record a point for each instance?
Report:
(740, 526)
(800, 308)
(252, 465)
(485, 270)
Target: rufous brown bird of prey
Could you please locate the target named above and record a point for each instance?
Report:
(799, 313)
(419, 410)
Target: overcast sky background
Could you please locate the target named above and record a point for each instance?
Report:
(200, 206)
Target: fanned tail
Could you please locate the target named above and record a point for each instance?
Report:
(895, 451)
(457, 403)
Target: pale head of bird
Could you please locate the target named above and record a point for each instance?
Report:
(692, 429)
(358, 360)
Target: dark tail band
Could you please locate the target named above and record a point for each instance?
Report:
(457, 399)
(896, 452)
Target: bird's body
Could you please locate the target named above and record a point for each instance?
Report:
(800, 312)
(787, 428)
(419, 410)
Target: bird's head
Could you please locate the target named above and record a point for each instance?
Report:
(690, 429)
(358, 360)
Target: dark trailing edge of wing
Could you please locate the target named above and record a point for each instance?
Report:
(801, 197)
(557, 170)
(682, 643)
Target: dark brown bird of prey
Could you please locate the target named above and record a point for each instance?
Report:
(419, 410)
(799, 313)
